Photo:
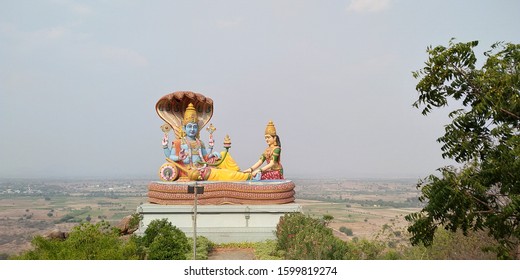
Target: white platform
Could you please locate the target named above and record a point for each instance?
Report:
(221, 223)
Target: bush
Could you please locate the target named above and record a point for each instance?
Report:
(266, 250)
(327, 218)
(365, 250)
(456, 246)
(100, 241)
(85, 242)
(304, 238)
(204, 246)
(135, 220)
(346, 231)
(164, 241)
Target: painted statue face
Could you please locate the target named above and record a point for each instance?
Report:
(270, 140)
(191, 129)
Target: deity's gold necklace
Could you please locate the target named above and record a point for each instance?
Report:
(194, 145)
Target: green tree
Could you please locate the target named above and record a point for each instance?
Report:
(164, 241)
(85, 242)
(135, 220)
(327, 218)
(483, 192)
(302, 237)
(101, 241)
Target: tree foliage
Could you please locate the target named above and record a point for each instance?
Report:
(164, 241)
(204, 246)
(304, 238)
(101, 241)
(483, 192)
(346, 230)
(85, 242)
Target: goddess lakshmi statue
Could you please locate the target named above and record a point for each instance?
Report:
(273, 170)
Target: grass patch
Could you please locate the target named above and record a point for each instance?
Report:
(204, 247)
(265, 250)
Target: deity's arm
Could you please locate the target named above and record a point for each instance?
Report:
(208, 152)
(255, 166)
(167, 151)
(268, 166)
(276, 155)
(258, 169)
(172, 154)
(216, 154)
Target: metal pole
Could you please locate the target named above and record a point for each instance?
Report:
(195, 224)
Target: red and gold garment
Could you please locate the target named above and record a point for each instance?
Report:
(276, 171)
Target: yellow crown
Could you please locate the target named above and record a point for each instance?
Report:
(190, 115)
(270, 129)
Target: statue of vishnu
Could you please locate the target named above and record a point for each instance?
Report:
(201, 163)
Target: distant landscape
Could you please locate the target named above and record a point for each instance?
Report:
(361, 208)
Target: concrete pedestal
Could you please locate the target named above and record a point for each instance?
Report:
(221, 223)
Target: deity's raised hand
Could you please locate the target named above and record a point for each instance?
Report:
(165, 140)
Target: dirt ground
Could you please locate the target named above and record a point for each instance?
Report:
(232, 254)
(365, 222)
(23, 218)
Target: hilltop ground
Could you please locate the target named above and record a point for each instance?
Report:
(364, 207)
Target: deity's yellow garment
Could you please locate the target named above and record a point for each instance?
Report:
(227, 170)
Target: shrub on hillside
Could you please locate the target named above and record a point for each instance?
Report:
(101, 241)
(204, 246)
(346, 231)
(304, 238)
(448, 245)
(363, 249)
(163, 241)
(85, 242)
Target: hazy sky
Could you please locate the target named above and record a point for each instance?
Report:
(79, 80)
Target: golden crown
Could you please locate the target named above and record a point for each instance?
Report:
(190, 115)
(270, 129)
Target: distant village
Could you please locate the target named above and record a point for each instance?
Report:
(102, 187)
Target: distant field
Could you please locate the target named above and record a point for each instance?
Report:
(21, 218)
(365, 222)
(365, 207)
(112, 209)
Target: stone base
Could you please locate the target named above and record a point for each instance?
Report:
(264, 192)
(221, 223)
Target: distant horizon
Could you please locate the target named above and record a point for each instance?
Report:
(91, 178)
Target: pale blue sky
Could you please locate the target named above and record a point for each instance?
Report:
(79, 80)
